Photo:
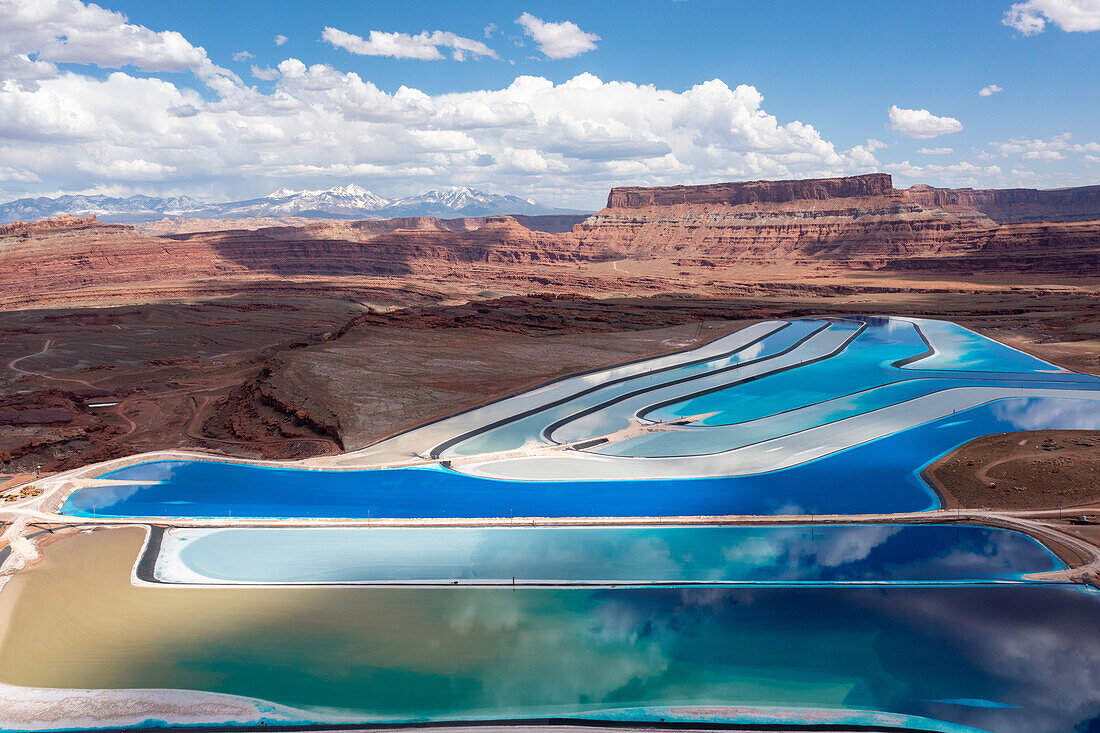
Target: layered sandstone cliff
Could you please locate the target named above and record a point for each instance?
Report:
(55, 260)
(554, 223)
(1066, 248)
(861, 221)
(47, 261)
(63, 223)
(1010, 205)
(379, 248)
(754, 192)
(728, 229)
(1014, 205)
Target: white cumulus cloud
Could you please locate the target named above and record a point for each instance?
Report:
(1042, 155)
(563, 142)
(936, 151)
(64, 128)
(264, 73)
(1031, 17)
(956, 174)
(921, 124)
(424, 46)
(1054, 148)
(280, 39)
(11, 175)
(562, 40)
(35, 35)
(990, 90)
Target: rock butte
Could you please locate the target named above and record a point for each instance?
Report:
(860, 222)
(857, 223)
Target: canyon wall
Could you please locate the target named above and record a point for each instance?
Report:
(55, 260)
(1010, 205)
(377, 248)
(753, 192)
(1015, 205)
(728, 229)
(853, 222)
(47, 261)
(856, 222)
(553, 223)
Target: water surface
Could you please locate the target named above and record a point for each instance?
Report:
(622, 555)
(1003, 658)
(888, 471)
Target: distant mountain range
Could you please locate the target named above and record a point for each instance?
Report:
(341, 202)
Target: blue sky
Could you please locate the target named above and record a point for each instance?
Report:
(159, 97)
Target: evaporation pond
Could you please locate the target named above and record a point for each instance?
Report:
(1017, 657)
(627, 555)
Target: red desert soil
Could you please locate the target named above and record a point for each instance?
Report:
(90, 384)
(1043, 469)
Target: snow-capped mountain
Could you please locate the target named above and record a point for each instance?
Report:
(350, 198)
(133, 208)
(462, 201)
(340, 202)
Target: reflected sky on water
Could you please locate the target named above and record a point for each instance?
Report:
(879, 476)
(603, 554)
(1004, 658)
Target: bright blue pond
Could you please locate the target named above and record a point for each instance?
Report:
(868, 363)
(626, 555)
(864, 364)
(735, 432)
(887, 469)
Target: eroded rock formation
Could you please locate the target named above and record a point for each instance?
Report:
(835, 224)
(754, 192)
(856, 222)
(1014, 205)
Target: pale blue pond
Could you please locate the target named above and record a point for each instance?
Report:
(960, 349)
(616, 413)
(725, 430)
(776, 392)
(621, 555)
(867, 372)
(866, 363)
(515, 433)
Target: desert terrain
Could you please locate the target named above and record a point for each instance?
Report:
(304, 338)
(1036, 469)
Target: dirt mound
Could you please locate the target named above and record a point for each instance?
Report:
(1047, 469)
